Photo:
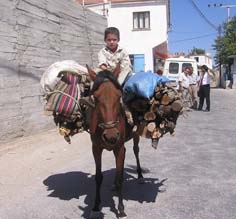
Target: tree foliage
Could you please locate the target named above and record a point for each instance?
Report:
(197, 51)
(225, 44)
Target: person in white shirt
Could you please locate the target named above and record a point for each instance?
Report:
(193, 77)
(183, 83)
(204, 88)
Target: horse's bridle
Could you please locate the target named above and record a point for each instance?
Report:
(108, 125)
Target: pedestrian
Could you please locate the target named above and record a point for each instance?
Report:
(160, 71)
(112, 54)
(193, 88)
(183, 83)
(204, 88)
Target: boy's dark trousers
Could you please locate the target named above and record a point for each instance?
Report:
(204, 92)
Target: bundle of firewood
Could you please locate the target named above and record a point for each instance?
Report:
(159, 115)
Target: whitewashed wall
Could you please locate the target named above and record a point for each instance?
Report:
(138, 42)
(204, 60)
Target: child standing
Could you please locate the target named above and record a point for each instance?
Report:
(112, 54)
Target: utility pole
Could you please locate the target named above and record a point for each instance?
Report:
(223, 6)
(219, 30)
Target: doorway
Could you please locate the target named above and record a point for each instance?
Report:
(138, 62)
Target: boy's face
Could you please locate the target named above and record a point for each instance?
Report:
(112, 41)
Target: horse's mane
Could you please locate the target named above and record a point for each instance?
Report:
(101, 77)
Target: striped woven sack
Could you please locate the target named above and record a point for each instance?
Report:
(53, 97)
(64, 99)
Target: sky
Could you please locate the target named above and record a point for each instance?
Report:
(187, 23)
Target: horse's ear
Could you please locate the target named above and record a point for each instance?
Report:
(117, 70)
(92, 73)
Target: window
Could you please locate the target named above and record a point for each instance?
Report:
(138, 62)
(141, 20)
(184, 65)
(174, 68)
(197, 59)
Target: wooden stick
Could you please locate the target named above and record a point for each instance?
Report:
(176, 106)
(156, 133)
(151, 126)
(149, 116)
(165, 99)
(154, 106)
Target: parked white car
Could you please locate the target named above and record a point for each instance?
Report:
(174, 66)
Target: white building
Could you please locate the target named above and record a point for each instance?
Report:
(204, 59)
(143, 26)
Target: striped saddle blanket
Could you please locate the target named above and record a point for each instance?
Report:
(64, 98)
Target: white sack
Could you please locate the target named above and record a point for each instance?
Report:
(50, 77)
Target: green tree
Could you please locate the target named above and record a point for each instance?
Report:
(225, 45)
(197, 51)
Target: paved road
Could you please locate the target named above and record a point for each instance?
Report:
(190, 176)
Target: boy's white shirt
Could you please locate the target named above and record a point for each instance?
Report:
(105, 56)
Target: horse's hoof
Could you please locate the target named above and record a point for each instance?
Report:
(94, 214)
(122, 216)
(141, 181)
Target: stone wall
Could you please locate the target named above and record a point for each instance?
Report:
(33, 35)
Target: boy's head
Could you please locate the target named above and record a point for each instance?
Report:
(112, 37)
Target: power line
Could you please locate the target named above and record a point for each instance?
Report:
(193, 38)
(224, 6)
(203, 16)
(185, 32)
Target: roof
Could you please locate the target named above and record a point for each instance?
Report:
(182, 59)
(100, 2)
(90, 2)
(195, 55)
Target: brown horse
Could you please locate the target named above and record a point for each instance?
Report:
(109, 130)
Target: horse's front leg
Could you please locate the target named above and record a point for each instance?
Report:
(120, 157)
(136, 139)
(97, 154)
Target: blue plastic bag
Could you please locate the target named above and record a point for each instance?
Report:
(142, 85)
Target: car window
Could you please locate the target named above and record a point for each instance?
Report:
(186, 64)
(174, 68)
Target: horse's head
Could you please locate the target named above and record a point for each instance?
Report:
(107, 114)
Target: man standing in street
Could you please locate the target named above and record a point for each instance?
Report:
(193, 87)
(183, 83)
(204, 88)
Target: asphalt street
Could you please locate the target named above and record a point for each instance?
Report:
(190, 176)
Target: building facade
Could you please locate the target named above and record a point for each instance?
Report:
(143, 28)
(204, 59)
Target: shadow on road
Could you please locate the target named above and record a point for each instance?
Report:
(67, 186)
